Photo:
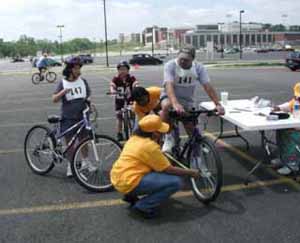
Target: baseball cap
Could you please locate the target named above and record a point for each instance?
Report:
(297, 90)
(153, 123)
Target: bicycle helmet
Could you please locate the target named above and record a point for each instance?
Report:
(188, 50)
(123, 64)
(70, 63)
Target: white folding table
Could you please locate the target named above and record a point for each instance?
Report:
(245, 116)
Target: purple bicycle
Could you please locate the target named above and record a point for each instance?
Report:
(93, 156)
(198, 152)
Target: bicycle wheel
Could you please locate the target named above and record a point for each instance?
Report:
(206, 159)
(36, 78)
(131, 121)
(93, 114)
(93, 160)
(51, 77)
(38, 148)
(126, 125)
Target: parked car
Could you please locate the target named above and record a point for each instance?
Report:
(231, 50)
(17, 59)
(86, 58)
(292, 60)
(51, 62)
(144, 59)
(262, 50)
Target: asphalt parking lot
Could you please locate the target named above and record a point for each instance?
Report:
(54, 208)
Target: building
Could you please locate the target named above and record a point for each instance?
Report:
(133, 37)
(290, 38)
(228, 35)
(176, 36)
(156, 36)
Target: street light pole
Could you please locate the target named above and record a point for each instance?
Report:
(60, 36)
(105, 27)
(153, 31)
(241, 50)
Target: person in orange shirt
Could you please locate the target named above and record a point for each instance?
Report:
(145, 100)
(142, 169)
(288, 140)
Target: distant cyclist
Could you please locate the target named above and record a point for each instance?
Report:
(73, 91)
(180, 78)
(42, 64)
(123, 82)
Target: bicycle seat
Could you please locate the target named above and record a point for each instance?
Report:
(53, 119)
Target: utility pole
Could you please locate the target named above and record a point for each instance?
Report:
(60, 37)
(241, 50)
(105, 27)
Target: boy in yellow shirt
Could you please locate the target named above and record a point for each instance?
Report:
(145, 100)
(288, 140)
(142, 169)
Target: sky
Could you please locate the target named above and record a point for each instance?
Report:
(85, 18)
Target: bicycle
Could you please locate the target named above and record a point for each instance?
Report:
(128, 116)
(43, 149)
(46, 74)
(198, 152)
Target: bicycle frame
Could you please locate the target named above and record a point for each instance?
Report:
(84, 123)
(189, 145)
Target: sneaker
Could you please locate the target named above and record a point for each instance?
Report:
(168, 143)
(86, 164)
(286, 170)
(146, 215)
(276, 162)
(120, 137)
(69, 171)
(131, 199)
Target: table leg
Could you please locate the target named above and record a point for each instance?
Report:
(267, 155)
(237, 134)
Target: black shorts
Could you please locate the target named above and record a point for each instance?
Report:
(119, 104)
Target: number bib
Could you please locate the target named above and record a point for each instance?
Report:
(185, 77)
(78, 89)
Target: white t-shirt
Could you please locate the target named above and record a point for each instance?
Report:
(78, 89)
(184, 80)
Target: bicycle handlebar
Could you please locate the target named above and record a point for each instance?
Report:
(116, 93)
(191, 114)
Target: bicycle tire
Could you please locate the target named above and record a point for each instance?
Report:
(93, 114)
(45, 147)
(36, 78)
(51, 77)
(131, 121)
(209, 176)
(126, 125)
(96, 178)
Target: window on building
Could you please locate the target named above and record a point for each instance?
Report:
(195, 41)
(188, 40)
(202, 44)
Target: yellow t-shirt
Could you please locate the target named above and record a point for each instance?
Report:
(139, 157)
(154, 96)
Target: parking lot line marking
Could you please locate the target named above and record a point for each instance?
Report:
(117, 202)
(252, 160)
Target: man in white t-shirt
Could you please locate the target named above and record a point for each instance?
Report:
(180, 78)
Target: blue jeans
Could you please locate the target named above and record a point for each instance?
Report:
(157, 187)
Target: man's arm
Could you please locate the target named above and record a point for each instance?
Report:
(182, 172)
(214, 97)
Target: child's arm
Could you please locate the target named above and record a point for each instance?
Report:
(56, 97)
(113, 86)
